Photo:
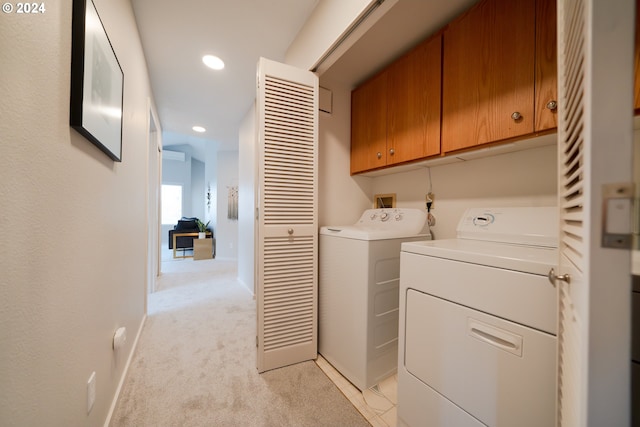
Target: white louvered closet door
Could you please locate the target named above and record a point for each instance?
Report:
(595, 66)
(287, 241)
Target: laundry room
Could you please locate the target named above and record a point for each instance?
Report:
(352, 337)
(472, 160)
(517, 171)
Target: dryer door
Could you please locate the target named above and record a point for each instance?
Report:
(500, 372)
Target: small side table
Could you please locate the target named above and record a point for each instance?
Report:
(190, 234)
(202, 249)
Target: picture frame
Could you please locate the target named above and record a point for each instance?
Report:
(97, 82)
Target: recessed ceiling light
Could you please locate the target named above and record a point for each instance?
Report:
(198, 129)
(213, 62)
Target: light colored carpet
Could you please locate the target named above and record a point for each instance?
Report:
(195, 362)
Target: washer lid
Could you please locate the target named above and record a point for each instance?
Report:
(528, 259)
(383, 224)
(368, 233)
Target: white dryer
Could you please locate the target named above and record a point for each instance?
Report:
(477, 344)
(358, 283)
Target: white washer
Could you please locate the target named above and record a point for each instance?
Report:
(358, 292)
(477, 343)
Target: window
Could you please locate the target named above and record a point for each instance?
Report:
(171, 203)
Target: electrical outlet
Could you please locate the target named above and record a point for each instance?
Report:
(91, 391)
(430, 197)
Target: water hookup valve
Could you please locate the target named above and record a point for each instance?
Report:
(431, 220)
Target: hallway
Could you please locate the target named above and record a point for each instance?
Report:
(195, 361)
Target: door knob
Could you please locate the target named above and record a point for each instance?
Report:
(553, 277)
(290, 231)
(392, 151)
(379, 155)
(516, 115)
(552, 105)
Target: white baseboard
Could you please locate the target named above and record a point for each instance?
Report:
(244, 285)
(226, 258)
(124, 373)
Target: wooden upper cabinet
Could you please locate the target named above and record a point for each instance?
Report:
(413, 115)
(546, 115)
(369, 124)
(489, 76)
(488, 70)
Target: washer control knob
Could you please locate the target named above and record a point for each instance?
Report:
(384, 216)
(373, 216)
(398, 217)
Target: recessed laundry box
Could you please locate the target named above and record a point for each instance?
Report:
(359, 276)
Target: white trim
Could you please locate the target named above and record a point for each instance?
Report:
(247, 288)
(124, 373)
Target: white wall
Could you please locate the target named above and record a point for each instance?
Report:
(524, 178)
(341, 198)
(177, 172)
(328, 21)
(211, 184)
(191, 174)
(227, 229)
(247, 175)
(74, 224)
(198, 190)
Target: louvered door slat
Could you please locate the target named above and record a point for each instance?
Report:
(287, 254)
(570, 160)
(594, 77)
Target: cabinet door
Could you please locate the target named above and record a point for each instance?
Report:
(546, 65)
(413, 116)
(369, 124)
(488, 74)
(636, 90)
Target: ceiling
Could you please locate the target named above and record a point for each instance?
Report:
(175, 36)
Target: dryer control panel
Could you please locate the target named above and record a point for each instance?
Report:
(484, 220)
(532, 226)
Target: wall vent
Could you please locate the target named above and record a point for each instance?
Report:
(173, 155)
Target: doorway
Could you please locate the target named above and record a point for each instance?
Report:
(154, 174)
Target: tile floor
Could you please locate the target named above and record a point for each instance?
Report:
(377, 404)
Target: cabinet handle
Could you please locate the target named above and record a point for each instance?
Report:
(516, 115)
(552, 105)
(290, 231)
(379, 155)
(392, 151)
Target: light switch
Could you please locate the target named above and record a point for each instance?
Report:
(619, 216)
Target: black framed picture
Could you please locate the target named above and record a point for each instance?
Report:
(97, 82)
